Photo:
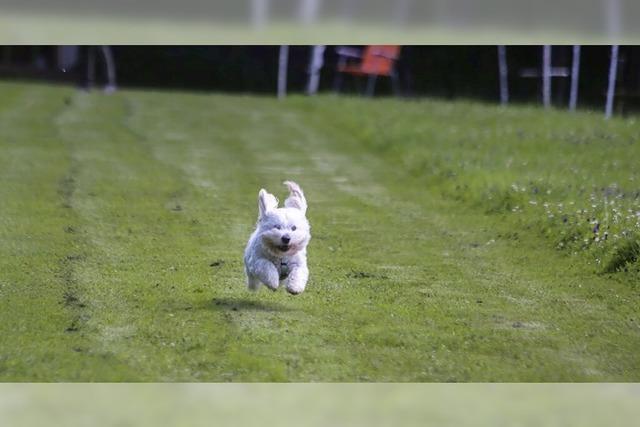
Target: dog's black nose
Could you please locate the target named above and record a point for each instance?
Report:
(286, 239)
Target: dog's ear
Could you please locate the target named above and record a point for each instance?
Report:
(296, 197)
(266, 202)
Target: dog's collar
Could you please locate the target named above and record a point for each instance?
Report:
(284, 269)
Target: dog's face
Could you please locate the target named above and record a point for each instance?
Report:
(283, 231)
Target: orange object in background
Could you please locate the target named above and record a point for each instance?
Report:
(378, 60)
(373, 61)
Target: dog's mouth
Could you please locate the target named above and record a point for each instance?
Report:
(283, 248)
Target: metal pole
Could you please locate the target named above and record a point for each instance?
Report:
(371, 84)
(613, 71)
(546, 75)
(315, 65)
(503, 70)
(282, 71)
(575, 77)
(91, 67)
(111, 69)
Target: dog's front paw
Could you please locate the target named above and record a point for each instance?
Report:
(294, 291)
(297, 280)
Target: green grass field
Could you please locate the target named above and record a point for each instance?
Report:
(451, 241)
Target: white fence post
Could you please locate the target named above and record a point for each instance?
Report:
(91, 66)
(111, 69)
(613, 71)
(546, 75)
(575, 78)
(283, 62)
(504, 72)
(315, 65)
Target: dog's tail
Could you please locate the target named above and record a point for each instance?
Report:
(296, 197)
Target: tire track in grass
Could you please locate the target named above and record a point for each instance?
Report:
(79, 298)
(177, 354)
(181, 144)
(71, 297)
(212, 155)
(104, 201)
(40, 249)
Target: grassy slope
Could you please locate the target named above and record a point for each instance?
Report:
(123, 220)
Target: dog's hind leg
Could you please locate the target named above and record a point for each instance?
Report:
(253, 283)
(267, 273)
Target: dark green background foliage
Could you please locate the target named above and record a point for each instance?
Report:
(451, 72)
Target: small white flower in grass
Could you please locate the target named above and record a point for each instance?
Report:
(533, 202)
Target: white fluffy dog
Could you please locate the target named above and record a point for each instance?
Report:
(277, 250)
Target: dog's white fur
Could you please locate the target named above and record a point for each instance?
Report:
(269, 257)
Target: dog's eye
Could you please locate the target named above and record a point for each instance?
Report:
(277, 227)
(293, 228)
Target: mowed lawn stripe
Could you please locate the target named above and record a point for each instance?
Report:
(149, 274)
(41, 306)
(207, 144)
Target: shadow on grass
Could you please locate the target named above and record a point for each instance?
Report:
(239, 304)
